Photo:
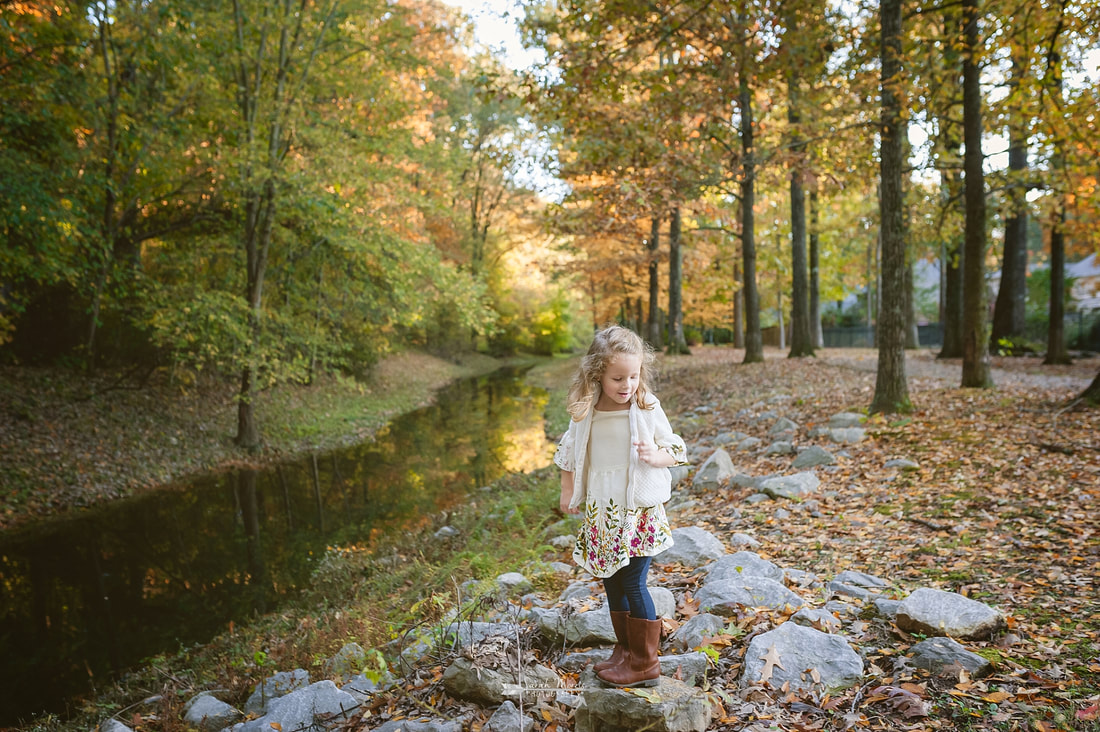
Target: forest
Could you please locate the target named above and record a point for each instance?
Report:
(268, 191)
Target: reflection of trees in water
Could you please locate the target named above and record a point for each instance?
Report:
(146, 575)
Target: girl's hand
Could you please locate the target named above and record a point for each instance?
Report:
(650, 454)
(567, 494)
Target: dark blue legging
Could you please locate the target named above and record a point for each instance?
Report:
(626, 589)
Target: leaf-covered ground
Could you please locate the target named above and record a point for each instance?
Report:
(1001, 509)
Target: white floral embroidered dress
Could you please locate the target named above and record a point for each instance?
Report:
(599, 451)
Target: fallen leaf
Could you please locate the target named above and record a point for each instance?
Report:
(771, 660)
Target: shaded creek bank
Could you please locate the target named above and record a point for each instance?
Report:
(89, 596)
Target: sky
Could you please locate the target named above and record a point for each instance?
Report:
(495, 27)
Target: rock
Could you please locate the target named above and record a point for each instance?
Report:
(679, 473)
(847, 436)
(464, 679)
(945, 657)
(725, 596)
(846, 419)
(560, 568)
(749, 443)
(935, 612)
(812, 457)
(822, 620)
(468, 633)
(273, 687)
(740, 539)
(446, 532)
(691, 547)
(428, 725)
(743, 564)
(861, 579)
(112, 725)
(513, 582)
(690, 668)
(507, 718)
(747, 481)
(782, 425)
(797, 651)
(671, 706)
(580, 590)
(758, 498)
(316, 704)
(692, 633)
(589, 628)
(726, 438)
(887, 608)
(210, 714)
(765, 416)
(347, 662)
(782, 514)
(903, 464)
(779, 448)
(790, 486)
(842, 589)
(717, 469)
(362, 687)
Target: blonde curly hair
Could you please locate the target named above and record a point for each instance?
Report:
(609, 342)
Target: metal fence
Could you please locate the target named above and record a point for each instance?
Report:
(1082, 333)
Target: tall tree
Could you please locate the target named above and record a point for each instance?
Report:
(975, 369)
(653, 249)
(1056, 339)
(891, 388)
(754, 339)
(1009, 310)
(677, 343)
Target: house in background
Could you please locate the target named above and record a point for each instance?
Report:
(1085, 293)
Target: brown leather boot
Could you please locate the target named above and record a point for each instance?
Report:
(640, 668)
(618, 622)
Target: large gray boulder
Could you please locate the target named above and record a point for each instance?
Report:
(724, 597)
(273, 687)
(743, 564)
(592, 627)
(318, 704)
(813, 456)
(209, 714)
(844, 420)
(945, 657)
(671, 706)
(717, 469)
(692, 547)
(935, 612)
(805, 658)
(790, 486)
(464, 679)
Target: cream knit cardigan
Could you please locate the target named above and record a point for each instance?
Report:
(652, 423)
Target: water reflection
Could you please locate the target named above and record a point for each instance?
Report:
(83, 598)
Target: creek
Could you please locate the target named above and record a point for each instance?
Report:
(88, 596)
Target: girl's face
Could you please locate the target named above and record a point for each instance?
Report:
(619, 382)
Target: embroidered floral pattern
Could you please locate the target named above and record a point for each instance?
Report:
(611, 535)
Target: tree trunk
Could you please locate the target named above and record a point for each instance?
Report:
(1056, 328)
(801, 338)
(1091, 394)
(891, 387)
(1009, 312)
(1056, 336)
(953, 301)
(754, 342)
(654, 250)
(975, 367)
(676, 342)
(738, 307)
(815, 274)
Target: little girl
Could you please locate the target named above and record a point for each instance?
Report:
(614, 461)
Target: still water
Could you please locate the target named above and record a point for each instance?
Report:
(86, 597)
